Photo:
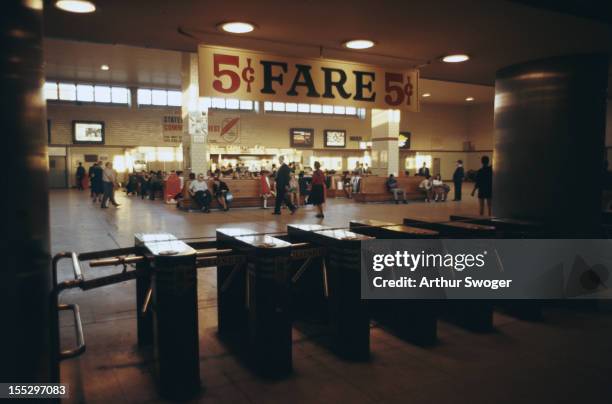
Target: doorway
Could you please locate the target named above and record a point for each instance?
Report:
(58, 176)
(436, 166)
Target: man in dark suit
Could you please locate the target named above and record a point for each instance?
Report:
(458, 177)
(424, 171)
(283, 175)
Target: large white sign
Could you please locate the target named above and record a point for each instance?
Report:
(247, 75)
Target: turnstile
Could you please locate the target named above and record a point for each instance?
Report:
(453, 229)
(254, 300)
(414, 320)
(475, 315)
(348, 313)
(171, 321)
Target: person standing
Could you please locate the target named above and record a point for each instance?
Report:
(80, 175)
(97, 185)
(90, 174)
(317, 194)
(109, 181)
(424, 171)
(484, 185)
(458, 177)
(282, 185)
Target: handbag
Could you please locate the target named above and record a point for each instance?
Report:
(229, 196)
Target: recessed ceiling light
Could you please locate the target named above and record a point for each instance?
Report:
(104, 67)
(359, 44)
(469, 99)
(237, 27)
(76, 6)
(458, 58)
(425, 95)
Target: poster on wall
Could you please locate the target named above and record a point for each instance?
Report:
(224, 129)
(256, 76)
(300, 137)
(88, 132)
(172, 128)
(335, 138)
(403, 140)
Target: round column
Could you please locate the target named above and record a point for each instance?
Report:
(550, 119)
(25, 274)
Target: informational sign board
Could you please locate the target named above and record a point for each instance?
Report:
(172, 128)
(248, 75)
(224, 129)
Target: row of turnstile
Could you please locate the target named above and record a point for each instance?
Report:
(268, 284)
(260, 298)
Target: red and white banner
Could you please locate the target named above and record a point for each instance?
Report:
(224, 129)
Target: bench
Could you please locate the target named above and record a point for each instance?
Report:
(246, 194)
(374, 189)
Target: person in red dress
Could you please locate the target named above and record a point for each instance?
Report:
(266, 189)
(317, 193)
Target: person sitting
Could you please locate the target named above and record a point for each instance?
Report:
(346, 185)
(198, 190)
(394, 189)
(439, 189)
(266, 189)
(220, 190)
(425, 187)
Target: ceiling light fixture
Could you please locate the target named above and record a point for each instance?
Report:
(425, 95)
(104, 67)
(237, 27)
(359, 44)
(76, 6)
(469, 99)
(458, 58)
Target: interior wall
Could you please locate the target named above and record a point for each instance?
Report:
(123, 126)
(438, 130)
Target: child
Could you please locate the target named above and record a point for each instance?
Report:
(266, 188)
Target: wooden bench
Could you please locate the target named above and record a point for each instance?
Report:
(374, 189)
(246, 194)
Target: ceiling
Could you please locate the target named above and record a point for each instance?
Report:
(74, 61)
(495, 33)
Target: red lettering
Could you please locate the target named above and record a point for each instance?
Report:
(234, 78)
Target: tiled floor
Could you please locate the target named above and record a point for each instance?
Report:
(564, 359)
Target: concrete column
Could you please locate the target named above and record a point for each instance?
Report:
(195, 119)
(25, 273)
(550, 119)
(385, 147)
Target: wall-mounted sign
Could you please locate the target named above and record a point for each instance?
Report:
(224, 128)
(88, 132)
(172, 123)
(247, 75)
(301, 137)
(172, 128)
(403, 140)
(356, 138)
(334, 138)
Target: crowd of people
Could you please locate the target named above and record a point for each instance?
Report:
(280, 183)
